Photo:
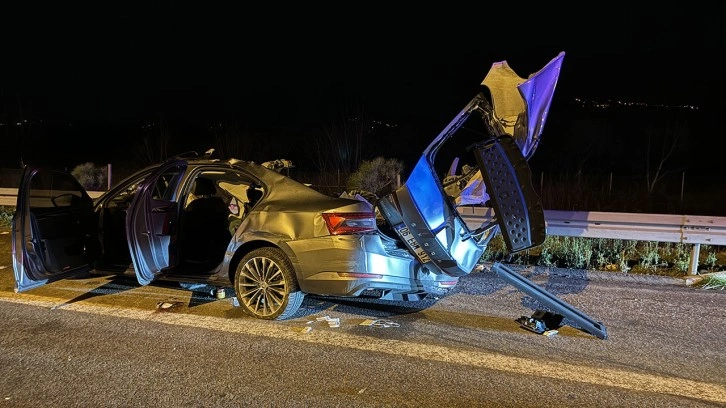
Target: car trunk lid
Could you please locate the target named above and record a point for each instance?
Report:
(427, 221)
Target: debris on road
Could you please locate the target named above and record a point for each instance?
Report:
(166, 306)
(332, 321)
(379, 323)
(303, 330)
(541, 322)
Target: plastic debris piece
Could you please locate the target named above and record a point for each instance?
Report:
(531, 324)
(235, 301)
(540, 322)
(550, 333)
(385, 323)
(164, 305)
(303, 330)
(379, 323)
(220, 293)
(332, 321)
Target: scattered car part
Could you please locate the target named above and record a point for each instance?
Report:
(585, 322)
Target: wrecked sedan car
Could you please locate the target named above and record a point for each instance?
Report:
(234, 223)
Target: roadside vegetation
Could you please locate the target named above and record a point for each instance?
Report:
(714, 282)
(6, 216)
(639, 257)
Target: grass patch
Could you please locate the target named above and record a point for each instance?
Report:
(6, 215)
(714, 282)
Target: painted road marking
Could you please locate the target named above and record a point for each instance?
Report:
(480, 359)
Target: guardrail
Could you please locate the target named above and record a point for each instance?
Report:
(685, 229)
(9, 196)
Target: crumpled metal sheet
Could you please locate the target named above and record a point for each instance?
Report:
(521, 105)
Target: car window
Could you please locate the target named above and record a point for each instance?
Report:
(228, 183)
(165, 187)
(123, 198)
(55, 190)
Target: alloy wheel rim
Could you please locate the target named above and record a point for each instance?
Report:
(262, 286)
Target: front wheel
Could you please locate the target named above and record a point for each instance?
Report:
(266, 285)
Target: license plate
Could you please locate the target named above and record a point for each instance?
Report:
(411, 242)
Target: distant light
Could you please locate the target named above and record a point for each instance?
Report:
(610, 103)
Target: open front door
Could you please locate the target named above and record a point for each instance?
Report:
(54, 230)
(152, 222)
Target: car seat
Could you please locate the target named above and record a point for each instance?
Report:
(205, 225)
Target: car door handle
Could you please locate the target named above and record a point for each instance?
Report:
(164, 209)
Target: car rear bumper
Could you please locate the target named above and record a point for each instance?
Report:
(362, 265)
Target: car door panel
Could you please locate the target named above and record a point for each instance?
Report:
(151, 222)
(54, 229)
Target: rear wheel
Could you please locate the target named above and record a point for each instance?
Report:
(266, 285)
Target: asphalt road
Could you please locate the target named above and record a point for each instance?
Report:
(108, 342)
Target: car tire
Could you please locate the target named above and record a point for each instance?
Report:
(266, 286)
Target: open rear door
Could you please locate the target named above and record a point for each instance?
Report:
(152, 222)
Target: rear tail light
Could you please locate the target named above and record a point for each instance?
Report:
(350, 223)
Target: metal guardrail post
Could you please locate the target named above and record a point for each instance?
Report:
(695, 253)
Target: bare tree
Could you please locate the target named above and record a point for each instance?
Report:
(154, 144)
(244, 144)
(340, 145)
(659, 149)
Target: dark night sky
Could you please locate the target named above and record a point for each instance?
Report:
(107, 69)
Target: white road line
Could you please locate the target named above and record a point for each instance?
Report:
(560, 371)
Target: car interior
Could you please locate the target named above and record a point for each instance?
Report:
(205, 234)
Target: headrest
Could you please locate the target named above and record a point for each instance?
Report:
(204, 187)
